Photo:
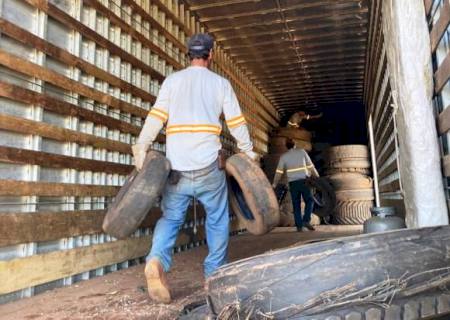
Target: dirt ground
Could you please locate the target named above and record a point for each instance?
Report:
(123, 294)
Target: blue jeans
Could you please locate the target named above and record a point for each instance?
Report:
(298, 190)
(209, 186)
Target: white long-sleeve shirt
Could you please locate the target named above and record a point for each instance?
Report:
(191, 101)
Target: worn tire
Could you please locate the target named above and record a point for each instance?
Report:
(352, 212)
(350, 163)
(396, 265)
(348, 151)
(137, 196)
(252, 198)
(355, 195)
(331, 171)
(294, 133)
(350, 181)
(324, 196)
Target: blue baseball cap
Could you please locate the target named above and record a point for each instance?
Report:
(200, 42)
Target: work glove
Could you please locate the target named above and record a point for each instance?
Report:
(253, 155)
(139, 152)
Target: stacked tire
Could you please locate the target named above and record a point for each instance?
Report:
(348, 167)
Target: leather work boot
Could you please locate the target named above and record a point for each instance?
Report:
(158, 288)
(309, 227)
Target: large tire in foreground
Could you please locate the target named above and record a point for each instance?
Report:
(324, 196)
(395, 275)
(137, 196)
(252, 198)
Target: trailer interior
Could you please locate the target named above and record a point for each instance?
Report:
(78, 78)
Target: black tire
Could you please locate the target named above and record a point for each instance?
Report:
(252, 198)
(137, 196)
(352, 212)
(324, 196)
(389, 275)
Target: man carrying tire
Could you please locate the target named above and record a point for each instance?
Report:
(298, 167)
(191, 102)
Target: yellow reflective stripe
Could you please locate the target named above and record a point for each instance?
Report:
(193, 129)
(231, 126)
(158, 113)
(236, 121)
(298, 169)
(280, 171)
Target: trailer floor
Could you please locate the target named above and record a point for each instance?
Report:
(123, 294)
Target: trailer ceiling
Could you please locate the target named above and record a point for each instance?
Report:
(299, 52)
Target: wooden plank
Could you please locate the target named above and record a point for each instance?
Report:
(90, 34)
(116, 20)
(16, 188)
(382, 157)
(23, 227)
(173, 17)
(444, 121)
(57, 53)
(446, 164)
(155, 24)
(34, 70)
(442, 74)
(428, 6)
(390, 187)
(65, 108)
(21, 273)
(25, 126)
(391, 168)
(440, 26)
(51, 160)
(30, 271)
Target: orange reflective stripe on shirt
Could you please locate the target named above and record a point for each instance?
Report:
(236, 121)
(193, 128)
(159, 114)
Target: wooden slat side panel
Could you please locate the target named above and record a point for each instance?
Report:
(90, 34)
(25, 126)
(21, 273)
(23, 227)
(442, 75)
(42, 268)
(34, 70)
(57, 53)
(51, 160)
(16, 188)
(155, 24)
(444, 121)
(446, 164)
(52, 104)
(428, 6)
(390, 187)
(391, 168)
(131, 31)
(441, 25)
